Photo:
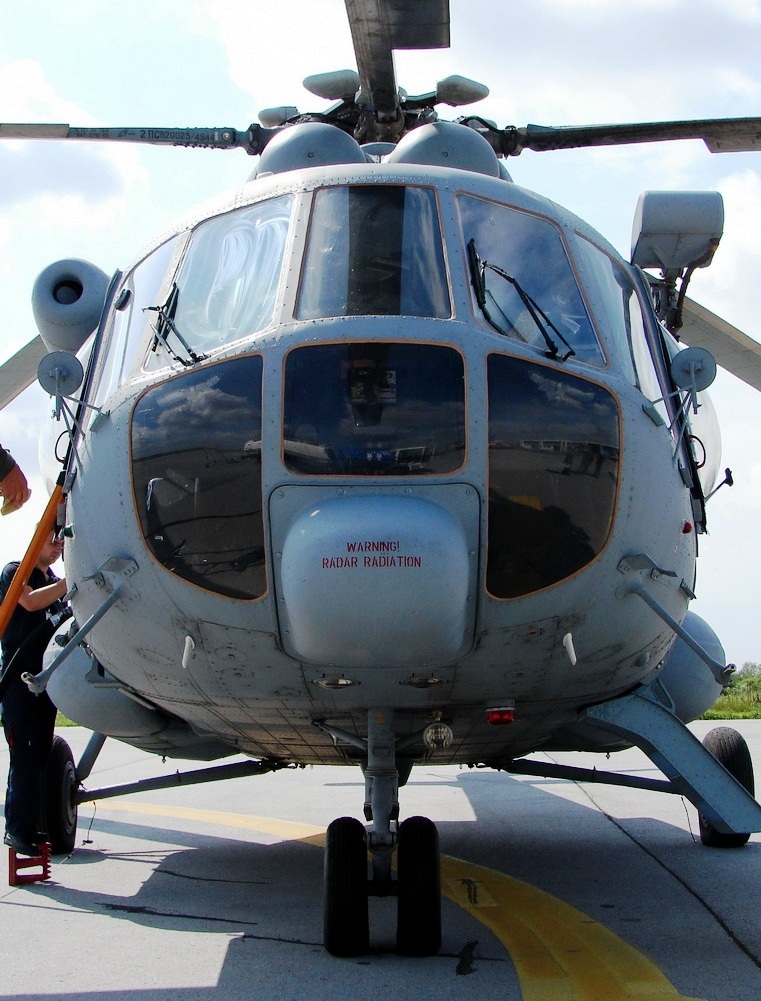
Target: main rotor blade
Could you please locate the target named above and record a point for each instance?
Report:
(252, 140)
(721, 135)
(378, 27)
(20, 371)
(732, 349)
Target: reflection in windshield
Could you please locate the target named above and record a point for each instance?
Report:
(553, 474)
(228, 280)
(196, 465)
(373, 409)
(530, 251)
(374, 250)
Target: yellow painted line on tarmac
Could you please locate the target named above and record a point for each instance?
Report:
(288, 830)
(559, 953)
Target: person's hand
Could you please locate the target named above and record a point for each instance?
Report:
(15, 490)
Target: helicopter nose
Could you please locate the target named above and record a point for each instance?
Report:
(379, 580)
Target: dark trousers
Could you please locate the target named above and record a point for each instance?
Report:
(29, 722)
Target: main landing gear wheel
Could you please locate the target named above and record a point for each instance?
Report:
(346, 928)
(59, 808)
(729, 749)
(418, 930)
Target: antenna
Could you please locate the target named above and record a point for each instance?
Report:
(60, 374)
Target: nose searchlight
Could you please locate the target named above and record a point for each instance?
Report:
(438, 736)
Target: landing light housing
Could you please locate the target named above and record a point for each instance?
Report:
(335, 683)
(422, 682)
(438, 736)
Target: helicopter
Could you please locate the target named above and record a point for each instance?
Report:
(394, 429)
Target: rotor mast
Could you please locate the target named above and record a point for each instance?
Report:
(377, 28)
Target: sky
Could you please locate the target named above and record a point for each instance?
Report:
(216, 63)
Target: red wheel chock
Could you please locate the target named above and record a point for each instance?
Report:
(20, 862)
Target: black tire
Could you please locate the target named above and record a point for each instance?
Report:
(729, 749)
(59, 809)
(346, 929)
(418, 928)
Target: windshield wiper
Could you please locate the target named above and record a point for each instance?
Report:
(165, 324)
(544, 324)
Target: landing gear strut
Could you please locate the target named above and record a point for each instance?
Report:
(416, 840)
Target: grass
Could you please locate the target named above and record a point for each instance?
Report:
(741, 699)
(733, 707)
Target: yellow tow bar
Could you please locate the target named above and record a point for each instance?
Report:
(41, 535)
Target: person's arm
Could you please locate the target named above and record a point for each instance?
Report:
(13, 485)
(7, 462)
(43, 597)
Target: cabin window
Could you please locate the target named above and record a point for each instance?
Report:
(196, 468)
(226, 288)
(374, 250)
(553, 474)
(374, 409)
(522, 282)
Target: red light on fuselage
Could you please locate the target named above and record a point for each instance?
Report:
(499, 715)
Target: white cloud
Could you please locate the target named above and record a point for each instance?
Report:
(31, 170)
(267, 58)
(732, 81)
(730, 286)
(27, 94)
(95, 170)
(741, 10)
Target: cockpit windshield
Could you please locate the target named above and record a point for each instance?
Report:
(374, 250)
(227, 283)
(523, 284)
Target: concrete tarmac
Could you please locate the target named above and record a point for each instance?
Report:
(553, 891)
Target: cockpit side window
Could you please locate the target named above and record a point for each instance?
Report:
(374, 250)
(621, 315)
(139, 289)
(522, 279)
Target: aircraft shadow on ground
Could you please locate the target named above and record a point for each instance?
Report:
(273, 892)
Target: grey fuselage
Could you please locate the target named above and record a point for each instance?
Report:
(339, 482)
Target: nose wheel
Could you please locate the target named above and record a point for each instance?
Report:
(346, 928)
(418, 922)
(416, 841)
(417, 888)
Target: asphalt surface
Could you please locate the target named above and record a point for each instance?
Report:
(553, 891)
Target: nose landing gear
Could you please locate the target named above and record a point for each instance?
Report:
(416, 840)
